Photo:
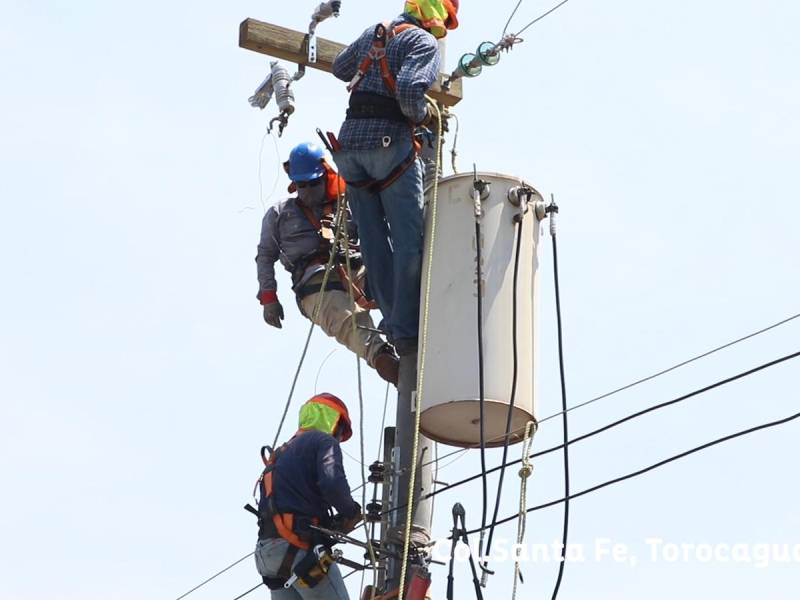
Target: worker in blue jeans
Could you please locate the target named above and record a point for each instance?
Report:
(391, 238)
(390, 67)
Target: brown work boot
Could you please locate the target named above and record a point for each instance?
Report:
(387, 364)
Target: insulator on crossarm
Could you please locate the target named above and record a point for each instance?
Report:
(283, 94)
(488, 54)
(263, 94)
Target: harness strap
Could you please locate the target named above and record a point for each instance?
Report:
(315, 288)
(359, 295)
(284, 571)
(382, 36)
(378, 185)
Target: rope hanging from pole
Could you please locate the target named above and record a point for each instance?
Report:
(524, 473)
(422, 351)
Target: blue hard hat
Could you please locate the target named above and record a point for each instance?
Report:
(305, 162)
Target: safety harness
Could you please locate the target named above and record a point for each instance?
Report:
(368, 105)
(324, 227)
(326, 238)
(295, 529)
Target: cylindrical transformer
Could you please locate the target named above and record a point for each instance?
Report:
(450, 387)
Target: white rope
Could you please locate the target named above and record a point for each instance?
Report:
(524, 473)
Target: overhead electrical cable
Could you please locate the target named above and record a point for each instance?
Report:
(674, 367)
(248, 592)
(511, 16)
(583, 437)
(643, 412)
(542, 16)
(514, 375)
(652, 467)
(463, 451)
(215, 575)
(553, 210)
(633, 474)
(481, 389)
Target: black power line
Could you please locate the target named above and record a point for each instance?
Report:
(653, 408)
(651, 377)
(676, 366)
(248, 592)
(481, 400)
(514, 376)
(653, 466)
(543, 15)
(553, 210)
(228, 568)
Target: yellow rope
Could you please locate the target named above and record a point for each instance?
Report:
(422, 348)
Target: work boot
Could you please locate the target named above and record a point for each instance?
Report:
(387, 364)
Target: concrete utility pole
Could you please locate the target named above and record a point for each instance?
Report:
(292, 46)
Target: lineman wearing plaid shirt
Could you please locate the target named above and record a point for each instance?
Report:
(378, 157)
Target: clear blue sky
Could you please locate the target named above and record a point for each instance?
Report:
(137, 379)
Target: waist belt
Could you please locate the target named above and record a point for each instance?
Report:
(315, 288)
(368, 105)
(378, 185)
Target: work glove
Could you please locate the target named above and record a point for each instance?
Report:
(347, 524)
(431, 119)
(273, 314)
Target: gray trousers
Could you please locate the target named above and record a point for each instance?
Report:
(269, 556)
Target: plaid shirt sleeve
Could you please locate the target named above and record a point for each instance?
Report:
(417, 73)
(345, 64)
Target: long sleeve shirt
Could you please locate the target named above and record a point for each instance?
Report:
(413, 57)
(309, 478)
(288, 236)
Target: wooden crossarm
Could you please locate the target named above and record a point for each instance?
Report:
(290, 45)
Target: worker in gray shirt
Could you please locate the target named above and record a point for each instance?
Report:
(299, 232)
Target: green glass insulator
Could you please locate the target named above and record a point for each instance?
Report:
(470, 65)
(488, 54)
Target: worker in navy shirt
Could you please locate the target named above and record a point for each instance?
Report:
(303, 484)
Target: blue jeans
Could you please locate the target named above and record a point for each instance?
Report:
(269, 556)
(391, 229)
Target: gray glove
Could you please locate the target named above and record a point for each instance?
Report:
(431, 119)
(273, 314)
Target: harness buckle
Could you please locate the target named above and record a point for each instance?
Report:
(376, 52)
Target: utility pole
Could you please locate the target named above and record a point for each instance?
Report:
(293, 46)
